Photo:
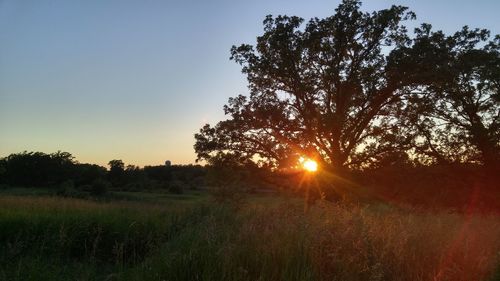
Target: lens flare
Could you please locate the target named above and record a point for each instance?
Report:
(310, 165)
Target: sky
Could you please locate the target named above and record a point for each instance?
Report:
(135, 80)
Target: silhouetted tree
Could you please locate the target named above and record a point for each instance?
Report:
(99, 187)
(226, 177)
(134, 174)
(456, 117)
(190, 175)
(159, 173)
(116, 172)
(116, 165)
(38, 168)
(3, 171)
(325, 90)
(86, 174)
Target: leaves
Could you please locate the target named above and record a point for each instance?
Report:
(352, 88)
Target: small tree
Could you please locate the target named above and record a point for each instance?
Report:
(116, 172)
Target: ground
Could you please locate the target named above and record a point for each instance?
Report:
(160, 236)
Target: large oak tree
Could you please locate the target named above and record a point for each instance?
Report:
(456, 115)
(325, 90)
(353, 90)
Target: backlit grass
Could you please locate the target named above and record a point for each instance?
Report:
(270, 238)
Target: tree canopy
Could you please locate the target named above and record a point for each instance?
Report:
(352, 89)
(456, 117)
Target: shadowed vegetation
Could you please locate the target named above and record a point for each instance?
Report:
(362, 152)
(267, 238)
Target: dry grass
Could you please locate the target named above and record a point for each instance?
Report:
(363, 243)
(275, 240)
(54, 203)
(266, 239)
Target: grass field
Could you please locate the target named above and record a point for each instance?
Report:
(147, 236)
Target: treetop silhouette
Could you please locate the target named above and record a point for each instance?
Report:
(341, 89)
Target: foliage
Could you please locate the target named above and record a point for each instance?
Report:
(99, 187)
(439, 186)
(354, 91)
(159, 173)
(324, 90)
(228, 178)
(86, 174)
(66, 188)
(116, 172)
(57, 170)
(176, 187)
(455, 118)
(37, 168)
(192, 176)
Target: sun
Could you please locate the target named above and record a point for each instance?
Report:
(310, 165)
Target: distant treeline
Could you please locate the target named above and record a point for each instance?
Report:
(401, 182)
(60, 170)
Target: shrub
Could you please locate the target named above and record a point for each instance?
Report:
(66, 189)
(134, 186)
(99, 187)
(226, 185)
(177, 187)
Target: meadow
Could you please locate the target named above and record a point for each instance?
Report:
(159, 236)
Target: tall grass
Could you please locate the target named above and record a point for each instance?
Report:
(276, 241)
(82, 237)
(265, 239)
(229, 245)
(354, 243)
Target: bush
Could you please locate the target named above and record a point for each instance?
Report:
(197, 182)
(177, 187)
(134, 186)
(99, 187)
(66, 189)
(226, 184)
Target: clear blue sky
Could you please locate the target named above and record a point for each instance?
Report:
(134, 80)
